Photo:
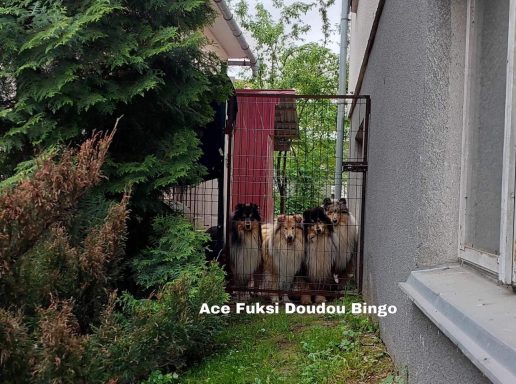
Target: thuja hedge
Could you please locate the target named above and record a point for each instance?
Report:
(95, 289)
(68, 68)
(62, 319)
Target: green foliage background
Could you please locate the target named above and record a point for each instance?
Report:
(305, 173)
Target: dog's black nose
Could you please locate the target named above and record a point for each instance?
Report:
(319, 231)
(290, 237)
(335, 221)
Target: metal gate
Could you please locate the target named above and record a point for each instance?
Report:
(287, 236)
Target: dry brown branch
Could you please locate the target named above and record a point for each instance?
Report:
(105, 244)
(31, 207)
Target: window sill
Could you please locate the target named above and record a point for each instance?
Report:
(475, 313)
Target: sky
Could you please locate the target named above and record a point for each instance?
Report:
(312, 18)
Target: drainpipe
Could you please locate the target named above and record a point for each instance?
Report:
(237, 32)
(339, 152)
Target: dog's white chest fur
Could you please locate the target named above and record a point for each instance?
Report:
(287, 258)
(320, 256)
(245, 257)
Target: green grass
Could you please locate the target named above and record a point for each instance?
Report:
(297, 349)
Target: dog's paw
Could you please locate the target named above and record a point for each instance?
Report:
(320, 299)
(244, 296)
(306, 300)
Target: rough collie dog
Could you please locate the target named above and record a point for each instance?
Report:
(283, 253)
(346, 233)
(246, 243)
(320, 248)
(266, 232)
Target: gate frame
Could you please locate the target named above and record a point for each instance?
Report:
(347, 166)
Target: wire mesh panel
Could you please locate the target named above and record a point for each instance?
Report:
(288, 236)
(199, 203)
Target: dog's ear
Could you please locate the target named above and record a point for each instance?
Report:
(298, 219)
(326, 202)
(237, 213)
(306, 215)
(342, 200)
(281, 218)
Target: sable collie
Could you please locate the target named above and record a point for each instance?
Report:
(320, 248)
(346, 233)
(283, 253)
(245, 244)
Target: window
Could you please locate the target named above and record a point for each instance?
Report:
(489, 129)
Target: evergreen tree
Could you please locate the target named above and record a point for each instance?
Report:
(69, 68)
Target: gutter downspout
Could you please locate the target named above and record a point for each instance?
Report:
(339, 152)
(237, 32)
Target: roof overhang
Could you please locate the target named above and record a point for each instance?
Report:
(226, 38)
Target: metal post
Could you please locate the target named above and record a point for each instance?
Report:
(365, 159)
(339, 152)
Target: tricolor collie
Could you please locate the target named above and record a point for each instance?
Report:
(246, 243)
(346, 233)
(320, 249)
(283, 253)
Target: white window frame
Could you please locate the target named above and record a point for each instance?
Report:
(503, 265)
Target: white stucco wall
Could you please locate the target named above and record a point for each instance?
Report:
(360, 28)
(415, 77)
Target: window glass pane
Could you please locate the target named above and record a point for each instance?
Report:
(486, 125)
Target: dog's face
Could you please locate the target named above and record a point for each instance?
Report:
(336, 210)
(310, 232)
(316, 222)
(288, 225)
(247, 217)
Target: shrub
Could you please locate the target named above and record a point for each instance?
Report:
(15, 347)
(27, 210)
(175, 247)
(165, 330)
(156, 377)
(67, 236)
(59, 346)
(51, 290)
(60, 318)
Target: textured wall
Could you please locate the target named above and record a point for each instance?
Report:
(361, 23)
(415, 79)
